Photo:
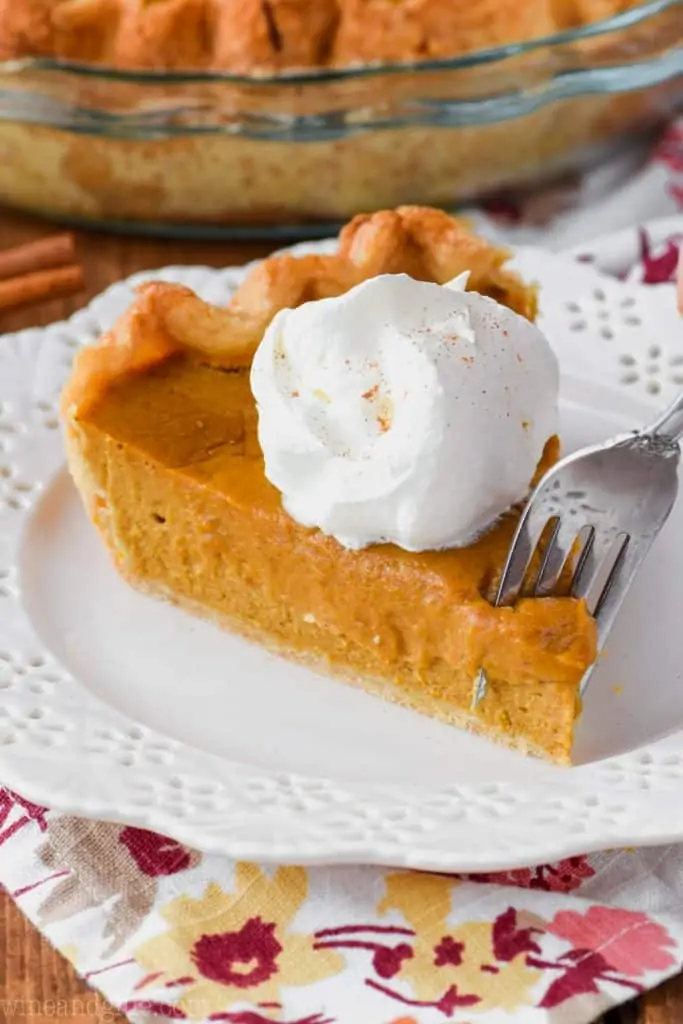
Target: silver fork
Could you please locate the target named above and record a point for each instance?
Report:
(613, 498)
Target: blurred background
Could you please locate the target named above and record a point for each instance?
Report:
(265, 120)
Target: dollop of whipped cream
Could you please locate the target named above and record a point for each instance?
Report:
(403, 411)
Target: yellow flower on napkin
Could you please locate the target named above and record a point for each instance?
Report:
(482, 959)
(231, 947)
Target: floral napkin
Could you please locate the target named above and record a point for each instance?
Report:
(166, 932)
(163, 931)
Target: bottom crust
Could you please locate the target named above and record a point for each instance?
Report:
(388, 689)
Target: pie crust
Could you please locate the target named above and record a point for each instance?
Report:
(266, 36)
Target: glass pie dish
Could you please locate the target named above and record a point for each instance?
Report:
(217, 154)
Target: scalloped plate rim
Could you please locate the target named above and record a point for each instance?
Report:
(409, 853)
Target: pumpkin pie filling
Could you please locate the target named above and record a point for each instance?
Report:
(163, 447)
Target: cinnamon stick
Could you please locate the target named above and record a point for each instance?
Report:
(36, 287)
(53, 251)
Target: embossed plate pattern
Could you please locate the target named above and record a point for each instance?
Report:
(115, 706)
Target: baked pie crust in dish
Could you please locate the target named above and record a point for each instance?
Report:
(216, 116)
(248, 36)
(162, 443)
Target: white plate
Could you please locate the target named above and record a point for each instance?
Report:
(115, 706)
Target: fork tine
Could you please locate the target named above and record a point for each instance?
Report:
(616, 584)
(629, 559)
(593, 556)
(480, 684)
(586, 565)
(524, 544)
(557, 551)
(630, 556)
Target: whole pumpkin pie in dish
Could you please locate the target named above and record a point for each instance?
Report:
(165, 447)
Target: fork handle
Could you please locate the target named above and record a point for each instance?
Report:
(670, 423)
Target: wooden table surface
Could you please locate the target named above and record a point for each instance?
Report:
(31, 972)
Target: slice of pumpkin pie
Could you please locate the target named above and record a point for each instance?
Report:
(333, 465)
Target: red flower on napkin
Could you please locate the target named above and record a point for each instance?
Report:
(155, 855)
(658, 263)
(242, 958)
(631, 942)
(15, 812)
(563, 876)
